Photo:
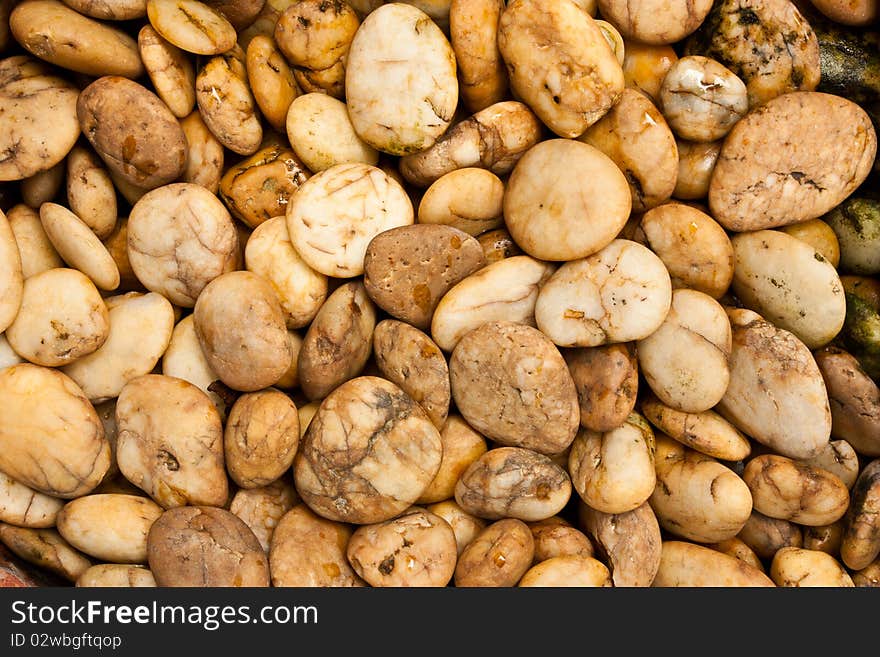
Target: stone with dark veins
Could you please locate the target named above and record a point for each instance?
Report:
(52, 438)
(513, 482)
(791, 160)
(39, 117)
(767, 43)
(368, 454)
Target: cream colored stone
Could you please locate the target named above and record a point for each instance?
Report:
(385, 452)
(90, 191)
(465, 526)
(706, 432)
(495, 138)
(45, 549)
(411, 360)
(180, 238)
(170, 69)
(116, 575)
(685, 360)
(513, 482)
(695, 249)
(262, 508)
(36, 251)
(634, 134)
(191, 26)
(109, 527)
(702, 99)
(240, 325)
(140, 329)
(401, 92)
(469, 199)
(656, 22)
(568, 571)
(79, 246)
(788, 283)
(696, 497)
(565, 200)
(22, 506)
(798, 567)
(613, 472)
(336, 213)
(184, 359)
(11, 278)
(473, 28)
(776, 393)
(53, 440)
(308, 550)
(260, 438)
(788, 490)
(40, 125)
(204, 160)
(53, 31)
(684, 564)
(62, 318)
(170, 442)
(300, 289)
(339, 341)
(322, 135)
(226, 102)
(506, 290)
(619, 294)
(416, 549)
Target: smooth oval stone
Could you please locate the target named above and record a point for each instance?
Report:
(170, 442)
(53, 31)
(635, 135)
(39, 118)
(791, 160)
(112, 526)
(787, 282)
(133, 131)
(11, 275)
(505, 290)
(79, 246)
(705, 432)
(22, 506)
(776, 393)
(52, 438)
(402, 91)
(369, 453)
(512, 482)
(192, 26)
(45, 549)
(140, 330)
(684, 564)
